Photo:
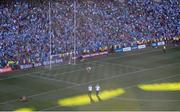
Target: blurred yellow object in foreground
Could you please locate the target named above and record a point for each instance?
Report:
(24, 110)
(85, 99)
(161, 87)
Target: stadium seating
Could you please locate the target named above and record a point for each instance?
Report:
(24, 31)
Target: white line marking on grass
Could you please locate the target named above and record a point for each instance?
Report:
(53, 79)
(125, 74)
(12, 77)
(143, 70)
(145, 100)
(53, 107)
(134, 54)
(82, 69)
(59, 80)
(126, 55)
(79, 84)
(130, 99)
(158, 79)
(58, 67)
(107, 58)
(47, 79)
(124, 65)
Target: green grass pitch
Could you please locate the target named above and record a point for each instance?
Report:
(44, 87)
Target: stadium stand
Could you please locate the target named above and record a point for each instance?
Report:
(24, 31)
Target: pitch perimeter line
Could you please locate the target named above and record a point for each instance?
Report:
(59, 80)
(125, 74)
(107, 58)
(123, 65)
(145, 100)
(52, 79)
(131, 86)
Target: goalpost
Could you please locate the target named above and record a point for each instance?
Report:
(50, 32)
(74, 32)
(72, 55)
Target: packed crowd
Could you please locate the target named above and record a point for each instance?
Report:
(25, 27)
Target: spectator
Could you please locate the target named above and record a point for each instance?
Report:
(24, 26)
